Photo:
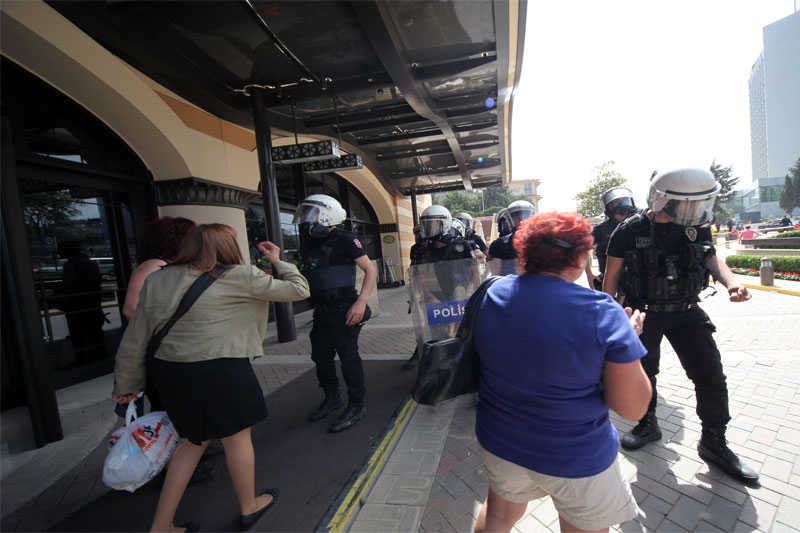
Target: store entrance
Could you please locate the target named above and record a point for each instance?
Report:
(81, 243)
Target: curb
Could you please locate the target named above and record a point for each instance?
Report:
(341, 517)
(772, 289)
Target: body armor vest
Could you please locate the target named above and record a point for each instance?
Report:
(329, 284)
(427, 253)
(506, 247)
(654, 275)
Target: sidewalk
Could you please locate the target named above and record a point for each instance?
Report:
(433, 479)
(675, 489)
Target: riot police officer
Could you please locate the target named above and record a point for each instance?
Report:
(437, 244)
(618, 205)
(502, 248)
(329, 264)
(661, 259)
(471, 235)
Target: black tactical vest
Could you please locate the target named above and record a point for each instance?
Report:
(329, 284)
(505, 247)
(655, 275)
(428, 253)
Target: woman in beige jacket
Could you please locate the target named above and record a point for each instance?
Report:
(202, 368)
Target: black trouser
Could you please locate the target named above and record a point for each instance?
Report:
(330, 336)
(690, 333)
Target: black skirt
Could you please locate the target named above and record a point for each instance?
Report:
(209, 399)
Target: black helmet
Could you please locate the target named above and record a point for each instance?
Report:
(618, 201)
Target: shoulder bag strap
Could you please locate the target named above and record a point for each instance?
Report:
(471, 312)
(189, 298)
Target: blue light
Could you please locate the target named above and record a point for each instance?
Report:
(489, 103)
(480, 160)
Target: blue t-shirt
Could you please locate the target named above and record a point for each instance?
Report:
(543, 343)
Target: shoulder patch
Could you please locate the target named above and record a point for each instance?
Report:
(691, 233)
(357, 243)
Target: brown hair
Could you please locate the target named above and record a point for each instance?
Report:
(209, 245)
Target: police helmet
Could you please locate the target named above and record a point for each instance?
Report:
(319, 208)
(465, 219)
(458, 228)
(618, 201)
(502, 223)
(518, 211)
(685, 194)
(435, 220)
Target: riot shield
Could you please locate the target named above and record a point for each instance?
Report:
(504, 267)
(438, 293)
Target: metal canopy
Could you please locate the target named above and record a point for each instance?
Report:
(415, 83)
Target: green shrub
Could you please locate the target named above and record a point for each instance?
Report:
(781, 264)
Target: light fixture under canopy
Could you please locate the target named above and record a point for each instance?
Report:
(291, 154)
(346, 162)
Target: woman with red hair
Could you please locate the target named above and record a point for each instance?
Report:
(555, 356)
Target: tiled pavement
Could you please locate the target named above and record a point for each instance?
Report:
(676, 491)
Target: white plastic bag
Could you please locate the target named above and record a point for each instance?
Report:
(139, 450)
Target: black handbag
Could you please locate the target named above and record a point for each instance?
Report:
(451, 368)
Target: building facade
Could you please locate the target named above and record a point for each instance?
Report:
(775, 100)
(116, 113)
(527, 188)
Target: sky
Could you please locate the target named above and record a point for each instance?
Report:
(648, 84)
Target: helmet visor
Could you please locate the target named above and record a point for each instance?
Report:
(464, 220)
(518, 215)
(690, 212)
(432, 227)
(306, 214)
(621, 206)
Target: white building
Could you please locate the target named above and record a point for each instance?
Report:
(775, 100)
(528, 188)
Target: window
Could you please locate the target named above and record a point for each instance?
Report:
(770, 193)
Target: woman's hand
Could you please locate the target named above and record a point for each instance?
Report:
(270, 251)
(636, 319)
(124, 398)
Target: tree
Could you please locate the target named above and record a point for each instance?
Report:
(727, 182)
(790, 195)
(487, 202)
(606, 177)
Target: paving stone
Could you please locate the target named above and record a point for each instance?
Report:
(686, 513)
(789, 513)
(435, 522)
(757, 513)
(777, 468)
(721, 513)
(454, 486)
(705, 527)
(466, 503)
(412, 515)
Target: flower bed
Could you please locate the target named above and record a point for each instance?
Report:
(793, 276)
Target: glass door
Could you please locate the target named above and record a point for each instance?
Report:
(81, 242)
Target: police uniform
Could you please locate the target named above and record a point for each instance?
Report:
(503, 248)
(331, 272)
(665, 268)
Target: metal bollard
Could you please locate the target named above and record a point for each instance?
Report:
(767, 272)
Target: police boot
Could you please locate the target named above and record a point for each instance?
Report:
(413, 361)
(351, 415)
(713, 448)
(331, 403)
(645, 431)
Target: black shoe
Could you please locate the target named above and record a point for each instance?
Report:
(412, 362)
(212, 450)
(645, 431)
(331, 403)
(246, 521)
(713, 448)
(351, 415)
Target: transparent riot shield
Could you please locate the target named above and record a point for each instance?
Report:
(438, 293)
(504, 267)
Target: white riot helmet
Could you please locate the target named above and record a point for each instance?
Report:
(618, 201)
(685, 194)
(435, 220)
(459, 228)
(319, 208)
(518, 211)
(465, 219)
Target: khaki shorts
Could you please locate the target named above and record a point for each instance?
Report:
(594, 502)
